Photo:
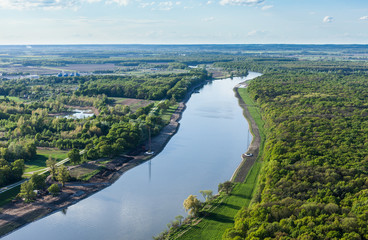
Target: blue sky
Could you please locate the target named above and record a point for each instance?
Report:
(183, 22)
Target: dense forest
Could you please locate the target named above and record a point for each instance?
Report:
(314, 184)
(147, 87)
(32, 121)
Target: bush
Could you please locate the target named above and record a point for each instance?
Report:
(54, 189)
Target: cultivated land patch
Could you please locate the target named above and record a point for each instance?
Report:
(133, 103)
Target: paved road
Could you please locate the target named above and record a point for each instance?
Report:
(41, 171)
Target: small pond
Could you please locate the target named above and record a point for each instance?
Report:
(79, 114)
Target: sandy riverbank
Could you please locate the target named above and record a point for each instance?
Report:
(242, 171)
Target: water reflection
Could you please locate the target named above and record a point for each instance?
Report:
(149, 170)
(203, 153)
(64, 211)
(80, 114)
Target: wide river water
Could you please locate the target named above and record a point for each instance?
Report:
(205, 151)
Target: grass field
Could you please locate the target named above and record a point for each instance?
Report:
(222, 217)
(118, 100)
(42, 155)
(166, 116)
(85, 171)
(256, 115)
(8, 196)
(133, 103)
(15, 99)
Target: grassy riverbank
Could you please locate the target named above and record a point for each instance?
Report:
(256, 115)
(221, 216)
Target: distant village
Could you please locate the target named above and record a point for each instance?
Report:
(75, 74)
(5, 76)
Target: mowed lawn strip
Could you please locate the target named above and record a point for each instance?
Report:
(222, 217)
(42, 155)
(256, 115)
(166, 116)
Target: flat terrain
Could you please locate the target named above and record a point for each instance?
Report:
(42, 155)
(221, 216)
(15, 215)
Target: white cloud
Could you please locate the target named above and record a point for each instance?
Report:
(44, 4)
(93, 1)
(266, 7)
(256, 33)
(147, 4)
(210, 19)
(364, 18)
(327, 19)
(165, 6)
(119, 2)
(209, 2)
(241, 2)
(53, 4)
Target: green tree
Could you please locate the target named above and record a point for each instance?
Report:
(26, 191)
(54, 189)
(192, 204)
(74, 156)
(38, 137)
(51, 164)
(92, 153)
(17, 169)
(226, 187)
(179, 218)
(63, 175)
(207, 194)
(38, 181)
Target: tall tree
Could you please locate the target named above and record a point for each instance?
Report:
(192, 204)
(226, 187)
(26, 191)
(38, 181)
(51, 163)
(74, 156)
(63, 175)
(207, 194)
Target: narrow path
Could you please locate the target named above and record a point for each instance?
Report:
(42, 171)
(242, 171)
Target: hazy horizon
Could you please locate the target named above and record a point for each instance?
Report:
(71, 22)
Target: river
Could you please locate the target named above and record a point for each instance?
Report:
(205, 151)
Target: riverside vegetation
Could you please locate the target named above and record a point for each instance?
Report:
(30, 122)
(314, 179)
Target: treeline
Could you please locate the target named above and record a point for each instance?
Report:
(315, 181)
(114, 131)
(150, 87)
(239, 68)
(277, 64)
(123, 58)
(10, 172)
(31, 122)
